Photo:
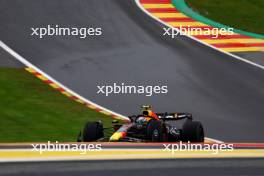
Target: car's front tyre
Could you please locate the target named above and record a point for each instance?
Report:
(93, 131)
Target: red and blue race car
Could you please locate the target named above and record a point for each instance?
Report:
(147, 127)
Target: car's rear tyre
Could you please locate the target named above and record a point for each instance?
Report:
(93, 131)
(156, 131)
(192, 131)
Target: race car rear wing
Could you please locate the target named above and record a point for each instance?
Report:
(167, 116)
(174, 116)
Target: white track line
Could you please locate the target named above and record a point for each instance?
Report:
(213, 140)
(28, 64)
(170, 26)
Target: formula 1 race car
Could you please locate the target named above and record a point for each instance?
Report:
(147, 127)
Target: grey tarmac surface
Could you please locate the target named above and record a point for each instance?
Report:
(184, 167)
(6, 60)
(257, 57)
(225, 94)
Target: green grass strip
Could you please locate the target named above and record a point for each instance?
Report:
(217, 7)
(32, 111)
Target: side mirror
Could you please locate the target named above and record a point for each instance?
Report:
(115, 121)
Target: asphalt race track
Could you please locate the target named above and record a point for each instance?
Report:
(227, 95)
(184, 167)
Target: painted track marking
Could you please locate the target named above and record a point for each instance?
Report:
(195, 39)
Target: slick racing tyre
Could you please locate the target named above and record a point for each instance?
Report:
(192, 131)
(93, 131)
(156, 131)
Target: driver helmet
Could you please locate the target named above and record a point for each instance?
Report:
(146, 110)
